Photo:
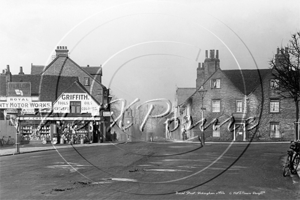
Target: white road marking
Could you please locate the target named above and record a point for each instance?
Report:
(167, 170)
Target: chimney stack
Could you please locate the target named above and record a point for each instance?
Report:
(286, 51)
(212, 53)
(62, 51)
(21, 71)
(8, 74)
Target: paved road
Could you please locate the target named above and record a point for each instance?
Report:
(150, 171)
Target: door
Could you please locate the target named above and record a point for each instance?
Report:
(239, 132)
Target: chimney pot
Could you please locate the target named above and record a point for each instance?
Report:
(217, 54)
(62, 51)
(206, 53)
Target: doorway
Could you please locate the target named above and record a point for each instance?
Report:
(239, 133)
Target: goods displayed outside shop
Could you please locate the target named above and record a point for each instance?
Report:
(73, 118)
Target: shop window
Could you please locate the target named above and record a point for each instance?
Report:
(274, 84)
(86, 81)
(274, 106)
(239, 106)
(75, 106)
(274, 130)
(216, 105)
(216, 83)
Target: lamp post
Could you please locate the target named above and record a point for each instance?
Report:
(202, 93)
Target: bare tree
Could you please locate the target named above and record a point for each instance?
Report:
(286, 69)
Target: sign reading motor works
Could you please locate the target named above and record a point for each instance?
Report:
(17, 89)
(26, 105)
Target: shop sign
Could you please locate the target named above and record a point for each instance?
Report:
(11, 110)
(106, 114)
(25, 105)
(17, 89)
(29, 111)
(88, 105)
(18, 99)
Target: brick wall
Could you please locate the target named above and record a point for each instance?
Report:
(285, 117)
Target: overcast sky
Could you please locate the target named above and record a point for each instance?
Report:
(147, 47)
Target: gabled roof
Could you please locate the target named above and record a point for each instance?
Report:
(77, 87)
(183, 94)
(246, 80)
(51, 87)
(59, 62)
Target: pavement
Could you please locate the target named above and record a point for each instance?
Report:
(11, 150)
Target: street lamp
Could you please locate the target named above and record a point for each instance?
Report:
(202, 93)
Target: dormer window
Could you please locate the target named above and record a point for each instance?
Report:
(216, 83)
(86, 81)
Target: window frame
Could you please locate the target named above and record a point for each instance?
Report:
(86, 81)
(273, 82)
(236, 106)
(212, 107)
(76, 107)
(215, 83)
(270, 106)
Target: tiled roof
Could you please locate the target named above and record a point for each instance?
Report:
(53, 86)
(36, 69)
(33, 79)
(246, 80)
(183, 94)
(93, 70)
(2, 85)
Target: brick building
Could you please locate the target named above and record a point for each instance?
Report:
(74, 92)
(242, 102)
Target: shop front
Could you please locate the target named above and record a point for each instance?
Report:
(59, 130)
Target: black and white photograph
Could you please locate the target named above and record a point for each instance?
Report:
(149, 99)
